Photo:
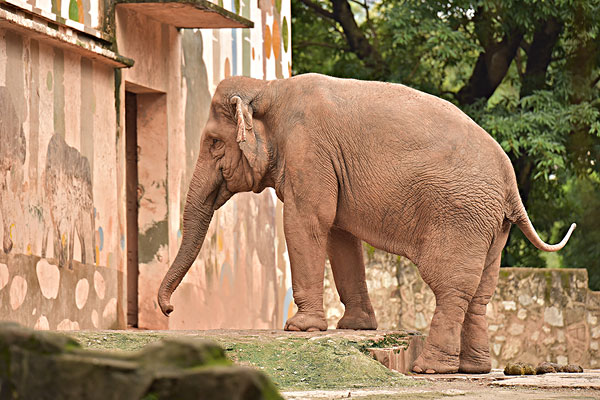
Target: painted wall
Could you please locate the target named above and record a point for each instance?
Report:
(241, 278)
(62, 173)
(59, 264)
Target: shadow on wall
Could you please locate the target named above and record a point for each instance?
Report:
(12, 158)
(67, 191)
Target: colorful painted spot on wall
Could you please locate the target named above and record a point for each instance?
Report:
(18, 291)
(100, 238)
(49, 82)
(4, 276)
(76, 10)
(276, 40)
(253, 54)
(267, 42)
(227, 68)
(285, 34)
(236, 4)
(290, 68)
(278, 6)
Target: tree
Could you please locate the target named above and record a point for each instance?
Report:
(527, 71)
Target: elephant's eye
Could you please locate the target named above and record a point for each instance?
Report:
(215, 141)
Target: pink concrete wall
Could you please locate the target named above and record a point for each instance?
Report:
(241, 277)
(62, 171)
(60, 263)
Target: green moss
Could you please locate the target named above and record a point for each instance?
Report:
(290, 362)
(370, 251)
(388, 341)
(548, 288)
(317, 363)
(504, 273)
(116, 340)
(565, 279)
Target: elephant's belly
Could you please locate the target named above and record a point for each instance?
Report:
(386, 233)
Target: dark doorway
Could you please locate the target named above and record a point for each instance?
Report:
(131, 157)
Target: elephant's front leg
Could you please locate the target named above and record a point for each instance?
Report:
(346, 257)
(306, 226)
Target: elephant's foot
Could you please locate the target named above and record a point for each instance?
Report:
(474, 345)
(435, 362)
(308, 321)
(356, 318)
(475, 364)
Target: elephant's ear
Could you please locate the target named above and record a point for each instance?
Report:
(252, 144)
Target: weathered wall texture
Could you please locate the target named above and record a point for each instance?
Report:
(57, 132)
(241, 278)
(63, 170)
(535, 314)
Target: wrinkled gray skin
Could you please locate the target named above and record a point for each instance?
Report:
(405, 171)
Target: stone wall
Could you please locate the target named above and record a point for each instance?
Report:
(535, 314)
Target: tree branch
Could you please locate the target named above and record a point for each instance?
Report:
(319, 44)
(490, 68)
(539, 56)
(318, 9)
(357, 41)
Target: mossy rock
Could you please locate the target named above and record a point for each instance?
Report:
(46, 365)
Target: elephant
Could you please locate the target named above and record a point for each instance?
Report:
(352, 161)
(69, 205)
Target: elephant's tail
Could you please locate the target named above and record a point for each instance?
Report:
(521, 219)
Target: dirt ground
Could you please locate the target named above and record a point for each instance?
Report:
(335, 365)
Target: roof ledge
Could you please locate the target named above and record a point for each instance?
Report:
(199, 14)
(32, 25)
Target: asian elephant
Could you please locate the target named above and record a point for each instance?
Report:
(403, 170)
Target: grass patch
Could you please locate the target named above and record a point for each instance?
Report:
(291, 363)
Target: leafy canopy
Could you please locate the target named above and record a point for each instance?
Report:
(528, 71)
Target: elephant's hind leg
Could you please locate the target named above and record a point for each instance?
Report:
(474, 347)
(346, 257)
(453, 275)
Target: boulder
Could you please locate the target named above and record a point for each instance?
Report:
(48, 365)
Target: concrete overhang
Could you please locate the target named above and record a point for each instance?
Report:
(48, 28)
(187, 13)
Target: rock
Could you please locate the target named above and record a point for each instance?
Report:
(519, 369)
(47, 365)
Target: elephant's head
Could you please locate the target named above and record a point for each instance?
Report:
(233, 157)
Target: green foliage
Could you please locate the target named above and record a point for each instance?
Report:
(544, 111)
(584, 203)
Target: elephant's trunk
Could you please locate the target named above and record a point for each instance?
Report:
(197, 214)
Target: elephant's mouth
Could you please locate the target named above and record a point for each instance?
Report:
(221, 195)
